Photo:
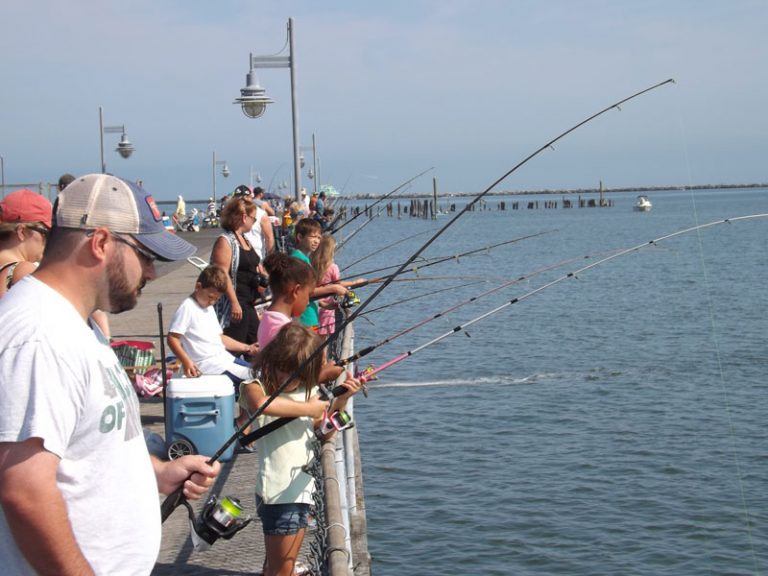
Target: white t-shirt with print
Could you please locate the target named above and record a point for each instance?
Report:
(60, 383)
(200, 335)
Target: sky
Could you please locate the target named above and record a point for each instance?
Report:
(389, 89)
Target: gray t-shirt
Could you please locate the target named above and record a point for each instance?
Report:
(59, 382)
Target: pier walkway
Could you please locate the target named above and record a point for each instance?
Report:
(243, 554)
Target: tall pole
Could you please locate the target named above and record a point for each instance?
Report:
(214, 175)
(2, 174)
(314, 161)
(294, 114)
(101, 139)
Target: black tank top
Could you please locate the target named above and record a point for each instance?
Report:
(247, 275)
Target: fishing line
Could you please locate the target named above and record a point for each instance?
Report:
(363, 225)
(418, 297)
(387, 195)
(380, 250)
(714, 331)
(440, 259)
(175, 499)
(371, 373)
(367, 350)
(268, 299)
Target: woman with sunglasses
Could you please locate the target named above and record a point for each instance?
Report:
(25, 221)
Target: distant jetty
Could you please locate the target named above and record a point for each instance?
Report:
(565, 191)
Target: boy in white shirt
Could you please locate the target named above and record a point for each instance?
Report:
(196, 338)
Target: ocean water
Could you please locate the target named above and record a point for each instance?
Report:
(613, 422)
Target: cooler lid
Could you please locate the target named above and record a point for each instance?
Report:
(200, 387)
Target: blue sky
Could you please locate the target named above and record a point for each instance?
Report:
(390, 89)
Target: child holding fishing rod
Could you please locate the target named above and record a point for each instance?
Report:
(291, 282)
(309, 233)
(283, 488)
(327, 272)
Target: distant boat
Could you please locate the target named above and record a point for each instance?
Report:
(329, 190)
(643, 204)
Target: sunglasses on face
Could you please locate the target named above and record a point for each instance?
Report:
(42, 230)
(143, 254)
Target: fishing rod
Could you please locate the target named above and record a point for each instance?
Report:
(363, 225)
(505, 284)
(419, 296)
(177, 498)
(523, 278)
(267, 299)
(387, 195)
(440, 259)
(370, 373)
(380, 250)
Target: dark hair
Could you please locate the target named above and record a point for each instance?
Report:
(213, 277)
(290, 348)
(286, 271)
(306, 226)
(258, 191)
(233, 211)
(65, 180)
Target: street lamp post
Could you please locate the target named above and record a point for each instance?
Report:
(124, 147)
(254, 100)
(2, 174)
(224, 171)
(312, 174)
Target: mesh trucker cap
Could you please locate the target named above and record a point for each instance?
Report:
(97, 200)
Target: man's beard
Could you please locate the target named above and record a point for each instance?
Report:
(121, 296)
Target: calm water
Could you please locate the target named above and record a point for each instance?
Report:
(610, 424)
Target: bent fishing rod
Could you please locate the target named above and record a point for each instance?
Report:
(367, 350)
(380, 250)
(356, 230)
(371, 372)
(387, 195)
(426, 263)
(415, 269)
(176, 498)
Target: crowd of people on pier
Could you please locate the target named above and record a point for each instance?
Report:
(70, 428)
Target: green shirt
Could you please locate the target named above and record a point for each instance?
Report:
(310, 316)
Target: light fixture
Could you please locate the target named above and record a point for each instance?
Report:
(253, 99)
(124, 147)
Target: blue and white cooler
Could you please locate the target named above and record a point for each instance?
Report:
(199, 416)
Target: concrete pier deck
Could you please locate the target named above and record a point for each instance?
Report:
(243, 554)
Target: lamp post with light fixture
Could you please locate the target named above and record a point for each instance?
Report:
(124, 147)
(312, 174)
(224, 171)
(253, 98)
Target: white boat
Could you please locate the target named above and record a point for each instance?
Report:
(643, 204)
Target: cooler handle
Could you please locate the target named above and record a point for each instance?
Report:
(183, 412)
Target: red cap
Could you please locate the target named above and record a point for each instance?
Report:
(25, 206)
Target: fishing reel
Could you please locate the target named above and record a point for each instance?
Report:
(219, 519)
(350, 299)
(335, 422)
(367, 374)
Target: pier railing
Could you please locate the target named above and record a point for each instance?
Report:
(340, 547)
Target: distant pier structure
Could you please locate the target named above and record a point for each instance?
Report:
(430, 209)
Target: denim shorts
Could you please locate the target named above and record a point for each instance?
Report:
(282, 519)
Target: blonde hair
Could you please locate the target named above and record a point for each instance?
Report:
(291, 348)
(322, 258)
